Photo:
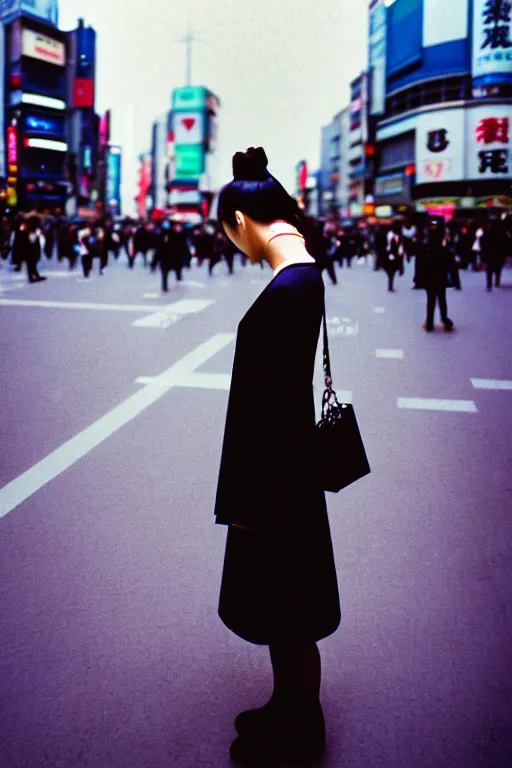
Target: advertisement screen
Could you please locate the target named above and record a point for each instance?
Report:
(53, 126)
(189, 98)
(189, 162)
(113, 190)
(492, 40)
(488, 137)
(189, 127)
(444, 21)
(44, 48)
(440, 146)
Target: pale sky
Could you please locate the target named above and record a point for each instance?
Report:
(281, 68)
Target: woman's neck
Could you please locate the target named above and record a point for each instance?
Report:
(284, 244)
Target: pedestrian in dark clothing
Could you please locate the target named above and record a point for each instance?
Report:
(279, 585)
(495, 250)
(33, 250)
(438, 264)
(140, 245)
(220, 247)
(381, 245)
(169, 254)
(394, 255)
(320, 248)
(87, 242)
(20, 246)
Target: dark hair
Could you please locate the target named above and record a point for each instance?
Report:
(258, 194)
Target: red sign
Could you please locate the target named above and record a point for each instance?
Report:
(83, 93)
(491, 129)
(189, 122)
(12, 145)
(303, 176)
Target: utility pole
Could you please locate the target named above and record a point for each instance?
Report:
(188, 41)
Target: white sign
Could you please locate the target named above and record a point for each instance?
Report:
(488, 141)
(184, 197)
(378, 50)
(492, 38)
(440, 146)
(44, 48)
(444, 21)
(188, 127)
(43, 9)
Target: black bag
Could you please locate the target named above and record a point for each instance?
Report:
(340, 457)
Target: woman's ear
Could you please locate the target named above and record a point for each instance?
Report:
(240, 219)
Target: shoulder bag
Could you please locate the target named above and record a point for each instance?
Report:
(339, 454)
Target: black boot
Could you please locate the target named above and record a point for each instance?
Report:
(291, 736)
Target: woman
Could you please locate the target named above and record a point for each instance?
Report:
(279, 585)
(394, 255)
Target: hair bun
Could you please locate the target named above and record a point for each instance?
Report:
(250, 165)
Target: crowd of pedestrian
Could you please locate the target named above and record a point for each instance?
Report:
(439, 250)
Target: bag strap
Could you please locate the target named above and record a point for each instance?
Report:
(327, 360)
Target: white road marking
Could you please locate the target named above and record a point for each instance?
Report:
(171, 314)
(424, 404)
(77, 305)
(46, 470)
(379, 310)
(151, 295)
(391, 354)
(491, 384)
(344, 326)
(193, 283)
(192, 380)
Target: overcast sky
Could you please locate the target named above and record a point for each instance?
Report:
(281, 68)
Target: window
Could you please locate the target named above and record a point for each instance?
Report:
(434, 92)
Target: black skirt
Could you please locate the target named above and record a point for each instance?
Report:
(280, 585)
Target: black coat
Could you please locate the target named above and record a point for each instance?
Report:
(438, 265)
(271, 407)
(279, 581)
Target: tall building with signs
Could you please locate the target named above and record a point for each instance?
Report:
(193, 135)
(441, 99)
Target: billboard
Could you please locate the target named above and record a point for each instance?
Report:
(378, 34)
(488, 142)
(189, 127)
(189, 162)
(44, 48)
(440, 146)
(444, 21)
(189, 99)
(492, 41)
(113, 185)
(83, 93)
(42, 9)
(46, 124)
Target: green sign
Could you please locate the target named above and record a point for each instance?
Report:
(189, 161)
(191, 97)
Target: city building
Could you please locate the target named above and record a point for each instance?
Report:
(330, 166)
(193, 177)
(441, 105)
(34, 112)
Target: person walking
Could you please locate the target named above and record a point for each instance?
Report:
(86, 242)
(437, 267)
(279, 586)
(33, 249)
(495, 247)
(394, 255)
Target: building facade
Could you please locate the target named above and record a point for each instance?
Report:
(441, 105)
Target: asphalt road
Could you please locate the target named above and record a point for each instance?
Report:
(111, 650)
